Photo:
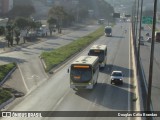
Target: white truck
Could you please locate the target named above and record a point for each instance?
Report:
(42, 31)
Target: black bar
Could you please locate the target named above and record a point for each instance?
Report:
(79, 114)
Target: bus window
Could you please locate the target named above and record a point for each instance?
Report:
(84, 72)
(108, 31)
(81, 74)
(99, 53)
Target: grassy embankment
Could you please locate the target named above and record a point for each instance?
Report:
(59, 55)
(4, 70)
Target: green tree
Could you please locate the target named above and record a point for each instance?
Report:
(9, 34)
(21, 11)
(17, 35)
(52, 24)
(26, 24)
(2, 30)
(59, 14)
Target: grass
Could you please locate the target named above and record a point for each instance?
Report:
(4, 96)
(59, 55)
(5, 69)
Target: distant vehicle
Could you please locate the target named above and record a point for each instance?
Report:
(142, 28)
(101, 21)
(101, 52)
(141, 38)
(42, 31)
(147, 34)
(141, 42)
(108, 31)
(149, 39)
(84, 72)
(31, 35)
(117, 77)
(157, 36)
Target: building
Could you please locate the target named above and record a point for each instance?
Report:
(5, 6)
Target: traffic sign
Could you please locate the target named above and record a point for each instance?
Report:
(147, 20)
(116, 15)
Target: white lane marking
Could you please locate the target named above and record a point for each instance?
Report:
(129, 94)
(61, 99)
(42, 68)
(23, 78)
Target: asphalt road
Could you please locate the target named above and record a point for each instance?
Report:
(31, 73)
(145, 60)
(56, 95)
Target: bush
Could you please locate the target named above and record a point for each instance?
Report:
(5, 69)
(4, 96)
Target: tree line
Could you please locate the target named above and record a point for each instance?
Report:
(59, 16)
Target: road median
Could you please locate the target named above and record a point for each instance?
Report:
(55, 57)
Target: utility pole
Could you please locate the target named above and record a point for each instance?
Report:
(140, 25)
(137, 25)
(151, 61)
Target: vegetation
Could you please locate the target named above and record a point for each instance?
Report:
(58, 14)
(5, 69)
(59, 55)
(4, 96)
(21, 11)
(66, 14)
(2, 30)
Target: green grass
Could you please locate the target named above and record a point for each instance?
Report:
(59, 55)
(4, 96)
(5, 69)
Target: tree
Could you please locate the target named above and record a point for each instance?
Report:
(26, 25)
(17, 35)
(9, 34)
(2, 30)
(52, 24)
(21, 11)
(59, 14)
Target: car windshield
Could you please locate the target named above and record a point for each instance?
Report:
(80, 75)
(117, 74)
(99, 53)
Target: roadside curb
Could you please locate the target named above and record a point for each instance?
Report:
(7, 76)
(7, 102)
(138, 92)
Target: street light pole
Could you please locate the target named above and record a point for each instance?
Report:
(151, 60)
(140, 25)
(137, 24)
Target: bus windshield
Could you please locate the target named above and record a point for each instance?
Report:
(99, 53)
(108, 30)
(80, 75)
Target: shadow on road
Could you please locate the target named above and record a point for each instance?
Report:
(109, 68)
(11, 59)
(117, 37)
(107, 95)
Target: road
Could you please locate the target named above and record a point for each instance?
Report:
(145, 60)
(31, 73)
(56, 95)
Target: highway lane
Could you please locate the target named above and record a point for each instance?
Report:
(55, 94)
(30, 67)
(145, 60)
